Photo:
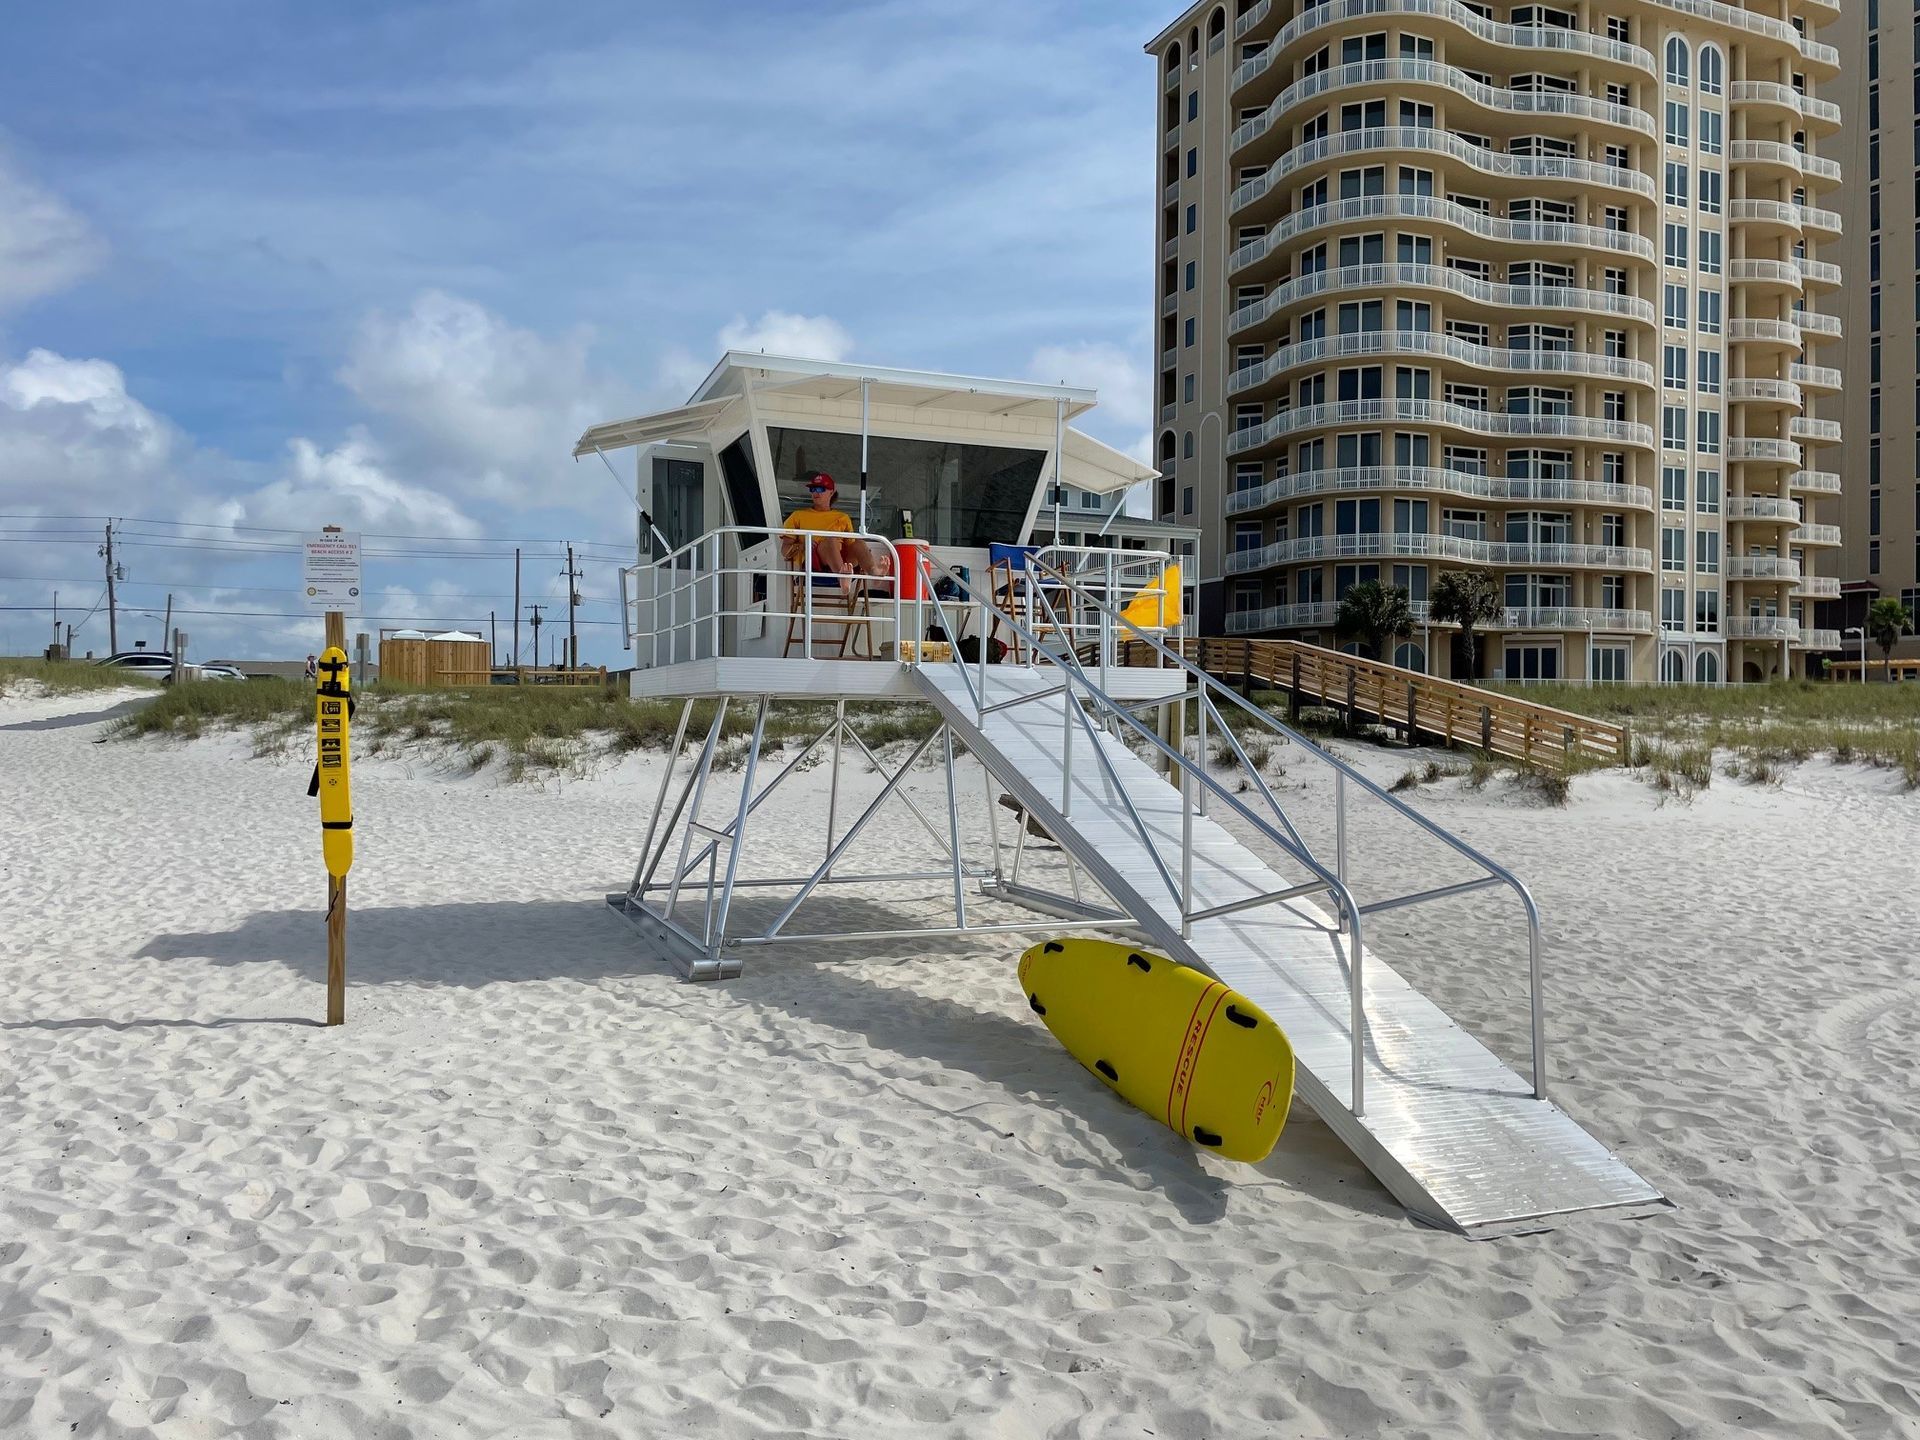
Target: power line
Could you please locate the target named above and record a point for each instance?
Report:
(284, 530)
(300, 615)
(259, 589)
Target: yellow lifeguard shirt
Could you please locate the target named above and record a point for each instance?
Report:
(829, 521)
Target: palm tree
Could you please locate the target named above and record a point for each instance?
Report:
(1469, 599)
(1375, 613)
(1887, 621)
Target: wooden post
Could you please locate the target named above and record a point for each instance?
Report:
(336, 886)
(1486, 729)
(1413, 702)
(1293, 695)
(1353, 719)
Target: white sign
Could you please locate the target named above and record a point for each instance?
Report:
(330, 572)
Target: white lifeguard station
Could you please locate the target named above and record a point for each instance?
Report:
(1061, 670)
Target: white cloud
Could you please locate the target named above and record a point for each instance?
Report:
(808, 337)
(475, 401)
(347, 486)
(44, 245)
(70, 433)
(1125, 413)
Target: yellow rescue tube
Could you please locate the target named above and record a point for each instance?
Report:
(1197, 1056)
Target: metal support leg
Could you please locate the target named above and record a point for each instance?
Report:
(1340, 832)
(699, 790)
(953, 835)
(719, 936)
(660, 802)
(833, 794)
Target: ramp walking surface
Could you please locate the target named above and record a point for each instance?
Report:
(1454, 1133)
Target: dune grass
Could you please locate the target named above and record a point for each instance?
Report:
(529, 729)
(67, 677)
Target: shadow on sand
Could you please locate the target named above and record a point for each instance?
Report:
(101, 1022)
(74, 721)
(828, 983)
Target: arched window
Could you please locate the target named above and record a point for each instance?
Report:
(1193, 46)
(1411, 657)
(1673, 668)
(1713, 69)
(1186, 445)
(1676, 61)
(1706, 668)
(1218, 24)
(1173, 57)
(1166, 448)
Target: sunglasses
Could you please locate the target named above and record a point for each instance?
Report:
(819, 489)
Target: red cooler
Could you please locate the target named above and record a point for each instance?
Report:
(912, 552)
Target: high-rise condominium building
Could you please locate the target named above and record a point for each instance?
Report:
(1527, 289)
(1879, 41)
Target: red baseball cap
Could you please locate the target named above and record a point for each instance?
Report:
(819, 479)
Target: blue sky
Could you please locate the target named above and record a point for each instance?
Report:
(264, 264)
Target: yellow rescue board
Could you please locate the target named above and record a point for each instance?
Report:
(333, 773)
(1199, 1057)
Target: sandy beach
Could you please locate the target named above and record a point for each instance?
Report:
(538, 1188)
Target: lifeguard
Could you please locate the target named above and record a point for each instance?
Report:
(831, 553)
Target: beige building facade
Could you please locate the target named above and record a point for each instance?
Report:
(1530, 289)
(1880, 508)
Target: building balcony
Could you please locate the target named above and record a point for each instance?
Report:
(1769, 94)
(1528, 171)
(1172, 83)
(1539, 236)
(1376, 281)
(1781, 333)
(1422, 479)
(1783, 275)
(1529, 106)
(1427, 345)
(1499, 554)
(1814, 482)
(1762, 567)
(1775, 155)
(1528, 40)
(1822, 273)
(1763, 509)
(1818, 640)
(1760, 450)
(1560, 619)
(1818, 587)
(1171, 195)
(1783, 393)
(1815, 431)
(1762, 627)
(1820, 536)
(1439, 414)
(1249, 25)
(1815, 377)
(1813, 322)
(1170, 302)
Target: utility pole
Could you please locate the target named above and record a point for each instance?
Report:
(536, 635)
(493, 638)
(516, 607)
(113, 614)
(166, 628)
(573, 602)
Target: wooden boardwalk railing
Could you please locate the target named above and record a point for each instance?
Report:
(1411, 702)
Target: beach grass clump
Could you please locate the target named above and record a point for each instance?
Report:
(190, 709)
(67, 677)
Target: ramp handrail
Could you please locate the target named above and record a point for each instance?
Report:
(1327, 881)
(1495, 873)
(1204, 687)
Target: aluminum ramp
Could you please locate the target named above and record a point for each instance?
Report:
(1454, 1134)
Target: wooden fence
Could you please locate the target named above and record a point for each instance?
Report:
(1413, 703)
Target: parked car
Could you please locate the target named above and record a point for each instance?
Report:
(219, 671)
(151, 664)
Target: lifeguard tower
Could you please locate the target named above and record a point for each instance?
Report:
(1060, 669)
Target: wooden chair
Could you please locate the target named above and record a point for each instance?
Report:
(848, 608)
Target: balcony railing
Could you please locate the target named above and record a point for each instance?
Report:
(1762, 567)
(1540, 233)
(1519, 37)
(1770, 332)
(1425, 546)
(1815, 535)
(1375, 279)
(1762, 627)
(1380, 478)
(1438, 347)
(1373, 74)
(1770, 392)
(1496, 423)
(1558, 618)
(1252, 18)
(1818, 587)
(1819, 640)
(1431, 141)
(1762, 450)
(1817, 377)
(1765, 508)
(1768, 272)
(1815, 482)
(1768, 92)
(1820, 432)
(1775, 152)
